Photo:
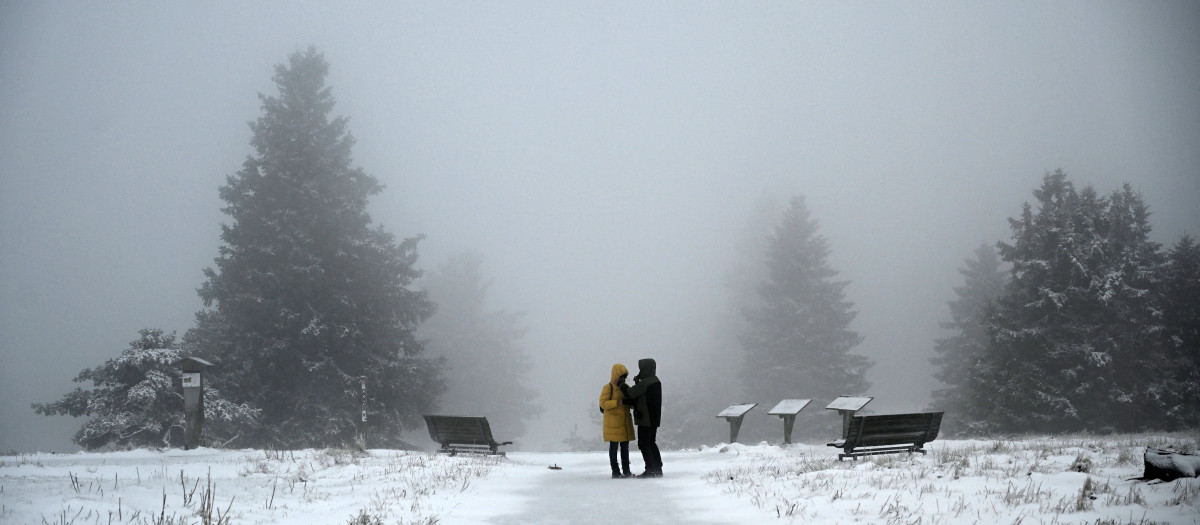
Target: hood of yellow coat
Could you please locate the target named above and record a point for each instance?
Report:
(618, 371)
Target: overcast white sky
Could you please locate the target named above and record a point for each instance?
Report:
(602, 157)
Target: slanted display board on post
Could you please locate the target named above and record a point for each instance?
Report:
(787, 411)
(847, 406)
(734, 415)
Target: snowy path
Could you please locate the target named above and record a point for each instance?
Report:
(1035, 481)
(526, 491)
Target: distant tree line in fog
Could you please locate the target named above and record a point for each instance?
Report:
(1092, 326)
(1079, 323)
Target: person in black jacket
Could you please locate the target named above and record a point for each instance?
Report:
(646, 397)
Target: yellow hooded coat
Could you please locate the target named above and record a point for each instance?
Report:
(618, 423)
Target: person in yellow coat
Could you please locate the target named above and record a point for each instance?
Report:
(618, 423)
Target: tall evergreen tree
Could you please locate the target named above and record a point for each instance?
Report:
(959, 354)
(1126, 282)
(1073, 348)
(1035, 359)
(487, 368)
(306, 297)
(799, 337)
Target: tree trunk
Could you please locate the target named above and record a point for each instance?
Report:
(1167, 465)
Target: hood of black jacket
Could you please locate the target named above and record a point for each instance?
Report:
(647, 368)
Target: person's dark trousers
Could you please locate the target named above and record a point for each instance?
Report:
(650, 453)
(612, 458)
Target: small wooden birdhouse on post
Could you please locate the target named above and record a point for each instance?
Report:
(191, 369)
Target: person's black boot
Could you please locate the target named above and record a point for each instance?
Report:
(625, 472)
(616, 472)
(649, 473)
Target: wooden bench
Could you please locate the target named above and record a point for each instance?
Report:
(889, 433)
(463, 434)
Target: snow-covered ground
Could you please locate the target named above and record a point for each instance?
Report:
(1020, 480)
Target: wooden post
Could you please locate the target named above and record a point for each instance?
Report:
(735, 425)
(192, 378)
(363, 432)
(362, 380)
(787, 410)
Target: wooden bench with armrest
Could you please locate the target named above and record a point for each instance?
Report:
(888, 434)
(463, 434)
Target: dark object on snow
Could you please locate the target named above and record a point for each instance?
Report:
(889, 433)
(463, 434)
(1168, 466)
(649, 474)
(554, 467)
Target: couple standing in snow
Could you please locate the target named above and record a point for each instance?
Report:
(645, 399)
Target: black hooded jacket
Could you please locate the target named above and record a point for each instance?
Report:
(646, 393)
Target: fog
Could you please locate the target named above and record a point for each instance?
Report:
(604, 159)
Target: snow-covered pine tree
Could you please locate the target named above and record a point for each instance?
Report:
(306, 296)
(959, 354)
(487, 369)
(1072, 349)
(1034, 365)
(1126, 282)
(799, 337)
(1178, 380)
(136, 400)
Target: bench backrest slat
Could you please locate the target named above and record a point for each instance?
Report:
(461, 430)
(893, 429)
